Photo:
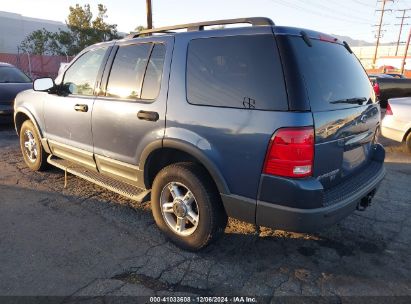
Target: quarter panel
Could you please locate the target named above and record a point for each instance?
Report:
(235, 140)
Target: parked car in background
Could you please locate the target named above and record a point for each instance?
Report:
(397, 75)
(396, 124)
(372, 77)
(267, 124)
(386, 86)
(12, 81)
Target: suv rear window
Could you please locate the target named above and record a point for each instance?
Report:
(236, 72)
(332, 75)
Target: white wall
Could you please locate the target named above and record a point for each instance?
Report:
(366, 55)
(15, 27)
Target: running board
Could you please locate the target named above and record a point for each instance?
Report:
(122, 188)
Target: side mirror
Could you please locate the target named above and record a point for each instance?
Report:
(43, 84)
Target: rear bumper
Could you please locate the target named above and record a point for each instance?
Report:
(308, 220)
(314, 207)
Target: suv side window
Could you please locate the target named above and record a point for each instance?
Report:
(80, 77)
(127, 72)
(236, 72)
(154, 73)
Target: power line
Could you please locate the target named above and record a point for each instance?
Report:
(317, 13)
(405, 53)
(382, 10)
(329, 10)
(401, 25)
(361, 3)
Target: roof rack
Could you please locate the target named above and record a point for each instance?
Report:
(199, 26)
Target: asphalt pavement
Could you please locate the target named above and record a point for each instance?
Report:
(87, 241)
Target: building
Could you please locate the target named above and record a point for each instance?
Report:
(386, 56)
(15, 27)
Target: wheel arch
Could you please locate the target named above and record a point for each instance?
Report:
(406, 135)
(20, 116)
(160, 154)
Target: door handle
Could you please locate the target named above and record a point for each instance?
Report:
(81, 107)
(148, 115)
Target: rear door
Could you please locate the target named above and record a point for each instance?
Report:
(343, 106)
(129, 112)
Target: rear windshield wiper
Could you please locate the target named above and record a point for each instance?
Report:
(356, 100)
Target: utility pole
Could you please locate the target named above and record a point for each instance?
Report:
(406, 52)
(382, 10)
(401, 25)
(149, 15)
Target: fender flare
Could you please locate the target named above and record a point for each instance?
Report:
(26, 112)
(30, 116)
(193, 151)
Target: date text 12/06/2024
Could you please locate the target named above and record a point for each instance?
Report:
(198, 299)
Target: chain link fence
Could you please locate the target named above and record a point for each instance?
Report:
(36, 66)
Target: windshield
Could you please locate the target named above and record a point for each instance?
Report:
(12, 75)
(334, 77)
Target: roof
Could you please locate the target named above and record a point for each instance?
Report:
(199, 26)
(255, 22)
(258, 24)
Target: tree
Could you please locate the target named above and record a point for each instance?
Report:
(39, 42)
(86, 31)
(82, 32)
(102, 30)
(139, 29)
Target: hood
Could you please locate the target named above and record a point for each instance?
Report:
(8, 91)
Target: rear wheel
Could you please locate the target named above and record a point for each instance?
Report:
(408, 142)
(187, 206)
(33, 153)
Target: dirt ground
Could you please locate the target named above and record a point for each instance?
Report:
(86, 241)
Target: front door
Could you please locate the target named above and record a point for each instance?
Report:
(68, 117)
(129, 112)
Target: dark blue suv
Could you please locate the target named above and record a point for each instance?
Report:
(272, 125)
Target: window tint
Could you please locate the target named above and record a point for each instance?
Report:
(80, 78)
(238, 72)
(12, 75)
(331, 74)
(154, 72)
(127, 72)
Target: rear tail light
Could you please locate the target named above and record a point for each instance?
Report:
(376, 89)
(388, 111)
(290, 153)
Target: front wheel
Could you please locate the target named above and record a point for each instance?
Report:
(187, 206)
(33, 153)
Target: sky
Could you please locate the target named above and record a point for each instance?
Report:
(354, 18)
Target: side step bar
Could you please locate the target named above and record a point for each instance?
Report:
(109, 183)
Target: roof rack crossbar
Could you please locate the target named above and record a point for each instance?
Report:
(199, 26)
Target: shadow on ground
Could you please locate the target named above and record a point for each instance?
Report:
(84, 240)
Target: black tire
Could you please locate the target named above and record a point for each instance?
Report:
(408, 142)
(39, 162)
(212, 218)
(377, 136)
